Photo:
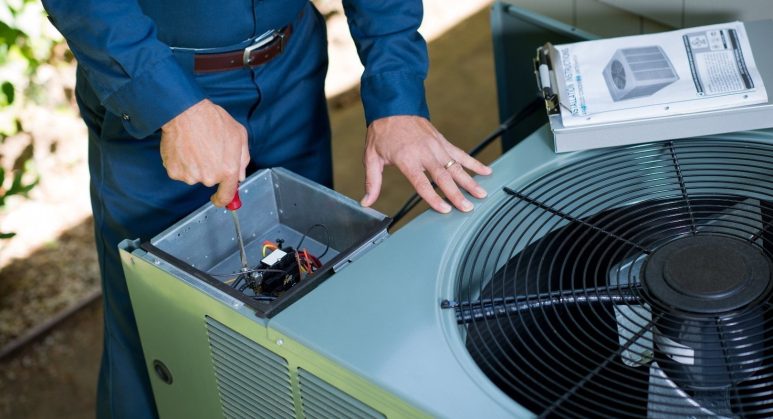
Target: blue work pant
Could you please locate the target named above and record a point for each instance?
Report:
(281, 104)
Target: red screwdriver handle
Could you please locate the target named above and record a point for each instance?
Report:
(235, 203)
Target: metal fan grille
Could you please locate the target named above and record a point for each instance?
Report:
(618, 74)
(556, 309)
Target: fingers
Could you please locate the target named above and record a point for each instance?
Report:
(448, 184)
(447, 169)
(466, 160)
(245, 160)
(225, 192)
(448, 153)
(415, 175)
(374, 168)
(463, 179)
(419, 150)
(204, 144)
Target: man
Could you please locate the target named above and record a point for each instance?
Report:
(181, 97)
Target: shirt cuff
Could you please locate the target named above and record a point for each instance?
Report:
(156, 96)
(393, 93)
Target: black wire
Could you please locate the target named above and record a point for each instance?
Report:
(241, 275)
(327, 243)
(248, 271)
(513, 120)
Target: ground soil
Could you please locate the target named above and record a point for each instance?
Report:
(56, 375)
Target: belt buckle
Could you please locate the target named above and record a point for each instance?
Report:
(262, 41)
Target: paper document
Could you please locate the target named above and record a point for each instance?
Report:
(651, 76)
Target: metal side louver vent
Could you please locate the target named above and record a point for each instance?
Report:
(253, 382)
(322, 400)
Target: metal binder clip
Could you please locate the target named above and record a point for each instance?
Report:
(542, 69)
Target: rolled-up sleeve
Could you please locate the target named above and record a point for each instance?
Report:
(394, 55)
(134, 75)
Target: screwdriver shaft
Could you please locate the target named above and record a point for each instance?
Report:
(242, 252)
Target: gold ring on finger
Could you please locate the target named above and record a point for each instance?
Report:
(450, 163)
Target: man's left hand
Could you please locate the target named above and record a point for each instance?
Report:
(414, 145)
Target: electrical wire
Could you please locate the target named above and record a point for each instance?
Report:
(234, 282)
(248, 271)
(306, 262)
(327, 242)
(513, 120)
(268, 245)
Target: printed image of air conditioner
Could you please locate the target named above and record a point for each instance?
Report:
(638, 72)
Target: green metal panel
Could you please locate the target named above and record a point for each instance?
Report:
(322, 400)
(253, 381)
(172, 331)
(171, 316)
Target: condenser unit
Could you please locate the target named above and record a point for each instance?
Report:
(638, 72)
(625, 282)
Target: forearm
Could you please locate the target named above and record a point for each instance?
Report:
(133, 74)
(394, 55)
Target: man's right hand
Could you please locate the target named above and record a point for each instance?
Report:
(206, 145)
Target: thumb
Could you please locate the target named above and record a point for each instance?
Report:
(245, 160)
(225, 192)
(374, 168)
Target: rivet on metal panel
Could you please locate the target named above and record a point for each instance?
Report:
(280, 342)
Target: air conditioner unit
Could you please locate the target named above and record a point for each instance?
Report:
(631, 281)
(638, 72)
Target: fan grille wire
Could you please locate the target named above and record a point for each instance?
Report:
(550, 298)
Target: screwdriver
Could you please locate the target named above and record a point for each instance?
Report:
(234, 205)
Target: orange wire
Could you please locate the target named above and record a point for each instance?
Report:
(307, 260)
(268, 245)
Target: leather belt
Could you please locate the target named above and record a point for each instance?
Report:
(263, 49)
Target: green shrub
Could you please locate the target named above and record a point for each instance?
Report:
(25, 44)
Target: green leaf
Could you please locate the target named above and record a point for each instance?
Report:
(28, 187)
(21, 161)
(18, 187)
(2, 176)
(6, 235)
(8, 35)
(8, 91)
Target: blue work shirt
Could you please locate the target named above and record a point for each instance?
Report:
(124, 48)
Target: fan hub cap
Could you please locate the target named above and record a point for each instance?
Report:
(707, 274)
